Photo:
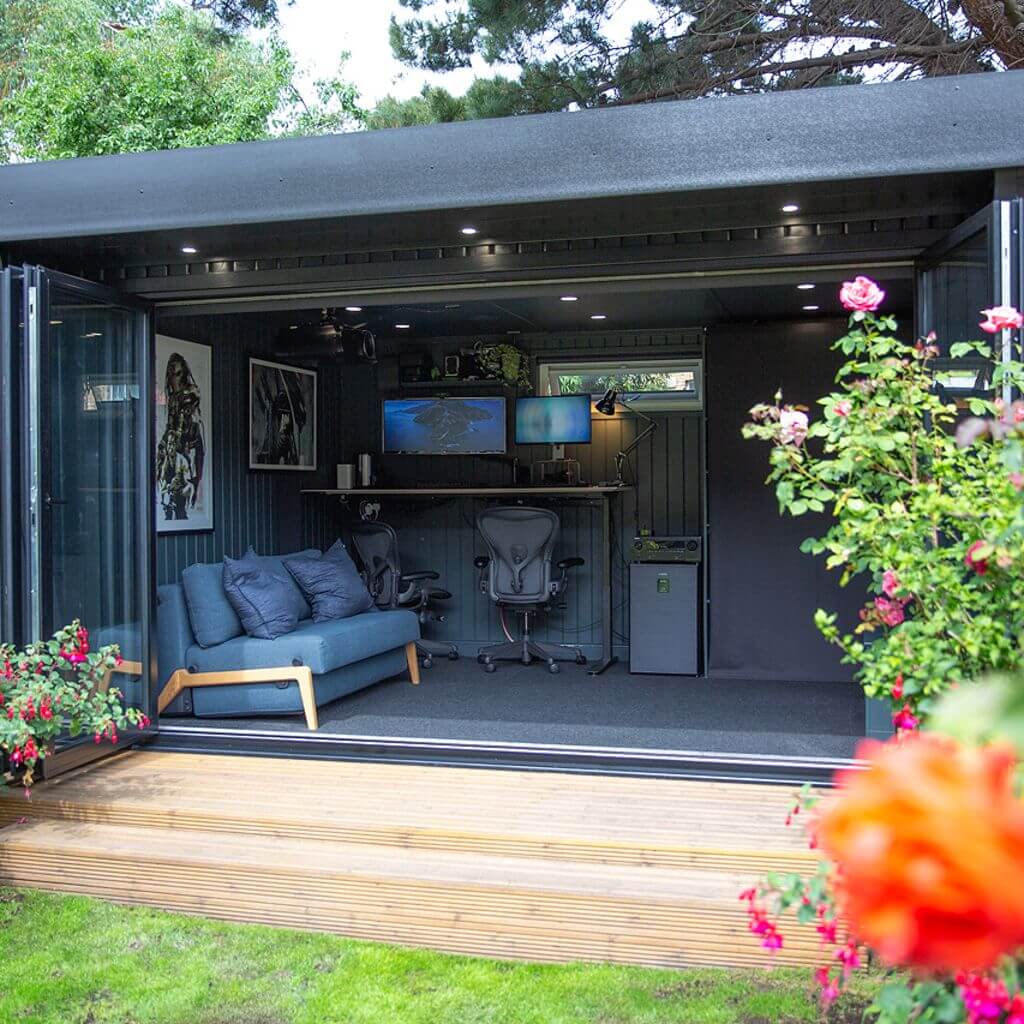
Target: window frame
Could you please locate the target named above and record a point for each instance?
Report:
(549, 369)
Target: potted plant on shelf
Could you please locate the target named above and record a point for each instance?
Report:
(505, 362)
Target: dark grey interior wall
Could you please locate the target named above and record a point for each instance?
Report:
(258, 507)
(441, 535)
(763, 591)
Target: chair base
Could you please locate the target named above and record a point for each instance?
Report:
(528, 650)
(429, 649)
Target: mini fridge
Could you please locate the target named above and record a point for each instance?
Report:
(664, 618)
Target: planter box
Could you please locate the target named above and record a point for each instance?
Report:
(877, 719)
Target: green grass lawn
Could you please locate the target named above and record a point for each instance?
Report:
(72, 960)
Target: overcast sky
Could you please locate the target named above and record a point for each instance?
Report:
(317, 31)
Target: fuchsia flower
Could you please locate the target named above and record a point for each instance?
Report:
(861, 295)
(793, 427)
(897, 688)
(1001, 318)
(972, 561)
(905, 720)
(829, 987)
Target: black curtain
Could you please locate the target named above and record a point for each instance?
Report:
(763, 589)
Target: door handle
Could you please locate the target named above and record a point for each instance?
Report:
(50, 501)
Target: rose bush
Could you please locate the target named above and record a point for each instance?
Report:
(923, 865)
(929, 522)
(57, 686)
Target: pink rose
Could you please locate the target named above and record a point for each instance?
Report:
(1001, 318)
(861, 295)
(890, 583)
(890, 611)
(843, 407)
(972, 561)
(793, 426)
(1017, 479)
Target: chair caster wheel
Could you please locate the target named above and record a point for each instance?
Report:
(553, 668)
(581, 659)
(427, 662)
(453, 654)
(481, 660)
(489, 666)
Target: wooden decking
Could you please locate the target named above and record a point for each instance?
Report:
(497, 863)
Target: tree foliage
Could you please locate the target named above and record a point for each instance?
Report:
(704, 47)
(92, 77)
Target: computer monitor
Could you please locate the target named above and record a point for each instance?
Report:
(559, 419)
(444, 426)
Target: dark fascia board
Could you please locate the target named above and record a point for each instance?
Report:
(932, 126)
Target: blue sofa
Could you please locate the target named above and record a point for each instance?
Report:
(343, 655)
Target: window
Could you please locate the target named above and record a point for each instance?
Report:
(649, 384)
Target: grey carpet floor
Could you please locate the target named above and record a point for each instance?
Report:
(458, 700)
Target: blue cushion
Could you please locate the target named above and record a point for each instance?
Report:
(213, 618)
(331, 583)
(274, 564)
(263, 601)
(323, 646)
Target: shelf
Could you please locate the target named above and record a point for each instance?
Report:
(454, 384)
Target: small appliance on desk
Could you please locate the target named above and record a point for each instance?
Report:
(556, 420)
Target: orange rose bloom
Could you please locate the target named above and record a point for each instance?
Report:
(929, 845)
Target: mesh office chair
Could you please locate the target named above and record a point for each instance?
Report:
(517, 575)
(376, 545)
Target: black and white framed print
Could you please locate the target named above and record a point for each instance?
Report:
(282, 416)
(184, 467)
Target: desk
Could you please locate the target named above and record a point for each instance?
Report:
(602, 494)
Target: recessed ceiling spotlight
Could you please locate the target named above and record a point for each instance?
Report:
(804, 287)
(598, 316)
(189, 250)
(93, 334)
(403, 327)
(353, 309)
(570, 298)
(55, 323)
(811, 309)
(790, 208)
(469, 230)
(293, 327)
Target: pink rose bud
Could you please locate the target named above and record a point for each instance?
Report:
(861, 295)
(1001, 318)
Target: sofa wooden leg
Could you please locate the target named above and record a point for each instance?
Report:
(414, 662)
(305, 680)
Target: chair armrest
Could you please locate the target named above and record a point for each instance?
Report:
(416, 577)
(482, 561)
(570, 563)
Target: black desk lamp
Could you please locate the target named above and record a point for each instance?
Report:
(606, 407)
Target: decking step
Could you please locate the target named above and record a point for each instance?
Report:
(642, 822)
(460, 901)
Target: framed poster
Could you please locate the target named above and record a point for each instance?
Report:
(282, 416)
(184, 466)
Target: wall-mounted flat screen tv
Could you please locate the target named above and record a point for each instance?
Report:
(444, 426)
(560, 419)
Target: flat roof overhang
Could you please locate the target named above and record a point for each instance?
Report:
(713, 164)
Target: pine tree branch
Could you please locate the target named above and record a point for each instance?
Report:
(921, 55)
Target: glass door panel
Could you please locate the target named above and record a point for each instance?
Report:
(90, 466)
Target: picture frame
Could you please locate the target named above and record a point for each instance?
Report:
(282, 416)
(184, 493)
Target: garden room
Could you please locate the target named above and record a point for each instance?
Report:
(404, 465)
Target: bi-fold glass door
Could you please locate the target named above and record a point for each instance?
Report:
(81, 539)
(980, 264)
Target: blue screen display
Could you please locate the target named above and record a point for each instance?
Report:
(445, 426)
(562, 419)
